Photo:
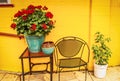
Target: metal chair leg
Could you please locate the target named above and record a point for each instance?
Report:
(90, 76)
(59, 75)
(86, 69)
(86, 73)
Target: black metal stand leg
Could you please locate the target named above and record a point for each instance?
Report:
(23, 77)
(20, 77)
(30, 68)
(51, 68)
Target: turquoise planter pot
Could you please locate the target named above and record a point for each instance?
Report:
(48, 47)
(34, 43)
(48, 50)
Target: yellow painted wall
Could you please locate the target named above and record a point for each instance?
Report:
(72, 18)
(105, 18)
(115, 31)
(100, 19)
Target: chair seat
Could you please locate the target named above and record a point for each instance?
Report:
(71, 63)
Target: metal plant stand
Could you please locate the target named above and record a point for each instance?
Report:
(27, 55)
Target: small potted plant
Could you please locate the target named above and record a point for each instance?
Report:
(34, 22)
(48, 47)
(102, 53)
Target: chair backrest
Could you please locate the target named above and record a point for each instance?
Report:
(70, 46)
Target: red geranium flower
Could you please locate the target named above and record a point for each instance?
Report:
(51, 22)
(31, 7)
(33, 27)
(45, 8)
(24, 18)
(29, 11)
(39, 7)
(24, 11)
(18, 14)
(13, 25)
(49, 15)
(44, 26)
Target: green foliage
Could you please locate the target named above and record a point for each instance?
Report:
(101, 51)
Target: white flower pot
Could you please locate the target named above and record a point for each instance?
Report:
(100, 70)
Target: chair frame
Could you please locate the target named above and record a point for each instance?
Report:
(59, 69)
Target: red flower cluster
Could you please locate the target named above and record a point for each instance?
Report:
(32, 20)
(24, 12)
(31, 9)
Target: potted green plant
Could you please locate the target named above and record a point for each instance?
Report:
(34, 22)
(102, 53)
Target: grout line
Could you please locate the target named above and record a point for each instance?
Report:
(90, 76)
(3, 76)
(12, 73)
(17, 78)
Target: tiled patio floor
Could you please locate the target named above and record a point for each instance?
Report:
(113, 74)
